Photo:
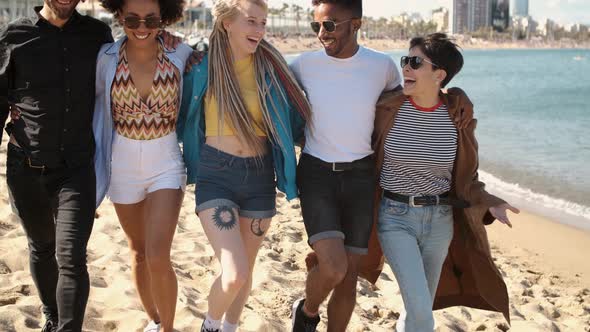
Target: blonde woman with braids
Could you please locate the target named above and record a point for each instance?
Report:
(241, 114)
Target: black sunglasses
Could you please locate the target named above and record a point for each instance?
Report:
(133, 22)
(328, 25)
(415, 62)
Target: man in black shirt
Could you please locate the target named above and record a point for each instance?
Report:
(47, 74)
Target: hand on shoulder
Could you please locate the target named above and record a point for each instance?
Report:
(194, 59)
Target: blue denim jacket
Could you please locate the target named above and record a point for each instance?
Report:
(102, 122)
(191, 128)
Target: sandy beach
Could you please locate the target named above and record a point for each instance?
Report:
(544, 263)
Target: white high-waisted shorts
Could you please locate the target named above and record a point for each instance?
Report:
(140, 167)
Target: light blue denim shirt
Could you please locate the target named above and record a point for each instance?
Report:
(191, 128)
(102, 123)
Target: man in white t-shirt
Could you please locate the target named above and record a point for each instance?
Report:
(335, 174)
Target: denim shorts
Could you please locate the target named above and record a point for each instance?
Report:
(246, 184)
(337, 204)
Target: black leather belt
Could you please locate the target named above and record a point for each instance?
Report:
(418, 201)
(361, 164)
(32, 164)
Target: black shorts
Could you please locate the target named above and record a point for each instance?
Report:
(337, 204)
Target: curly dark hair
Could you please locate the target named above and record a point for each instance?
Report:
(170, 10)
(443, 51)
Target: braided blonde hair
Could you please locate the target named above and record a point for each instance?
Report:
(224, 87)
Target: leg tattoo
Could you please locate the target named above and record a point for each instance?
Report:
(256, 228)
(224, 218)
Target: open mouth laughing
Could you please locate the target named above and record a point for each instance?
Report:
(253, 41)
(409, 82)
(141, 36)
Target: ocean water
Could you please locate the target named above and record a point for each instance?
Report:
(533, 111)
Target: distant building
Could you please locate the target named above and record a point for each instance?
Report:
(402, 19)
(198, 13)
(500, 15)
(460, 16)
(440, 17)
(575, 28)
(520, 8)
(471, 15)
(93, 8)
(548, 29)
(524, 27)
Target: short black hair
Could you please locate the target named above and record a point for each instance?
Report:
(170, 10)
(355, 6)
(442, 51)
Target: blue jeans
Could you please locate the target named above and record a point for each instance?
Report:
(415, 241)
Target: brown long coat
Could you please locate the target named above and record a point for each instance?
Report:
(469, 276)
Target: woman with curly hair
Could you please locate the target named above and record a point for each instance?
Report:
(138, 161)
(244, 112)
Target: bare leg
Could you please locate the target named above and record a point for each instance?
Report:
(323, 278)
(253, 232)
(133, 224)
(343, 298)
(222, 227)
(162, 209)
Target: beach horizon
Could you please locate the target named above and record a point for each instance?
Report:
(297, 44)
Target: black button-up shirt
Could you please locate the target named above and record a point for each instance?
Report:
(48, 73)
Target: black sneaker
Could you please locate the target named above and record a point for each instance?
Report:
(203, 329)
(301, 322)
(50, 326)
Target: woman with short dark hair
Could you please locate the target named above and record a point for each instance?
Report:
(428, 173)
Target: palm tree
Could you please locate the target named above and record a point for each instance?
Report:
(368, 26)
(273, 13)
(282, 14)
(309, 15)
(381, 27)
(297, 11)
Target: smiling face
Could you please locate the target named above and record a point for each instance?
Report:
(141, 9)
(424, 80)
(342, 42)
(62, 8)
(246, 29)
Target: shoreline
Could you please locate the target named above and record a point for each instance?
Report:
(557, 210)
(293, 45)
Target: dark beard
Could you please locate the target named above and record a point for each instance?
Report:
(62, 14)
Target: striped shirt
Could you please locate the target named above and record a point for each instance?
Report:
(420, 151)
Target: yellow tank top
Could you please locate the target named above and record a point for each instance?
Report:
(245, 73)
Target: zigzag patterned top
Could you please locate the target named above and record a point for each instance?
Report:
(155, 117)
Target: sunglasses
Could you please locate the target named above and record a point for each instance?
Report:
(133, 22)
(415, 62)
(329, 26)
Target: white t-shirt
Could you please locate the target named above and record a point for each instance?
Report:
(343, 94)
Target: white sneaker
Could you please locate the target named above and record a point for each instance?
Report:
(152, 327)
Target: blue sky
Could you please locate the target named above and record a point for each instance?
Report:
(562, 11)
